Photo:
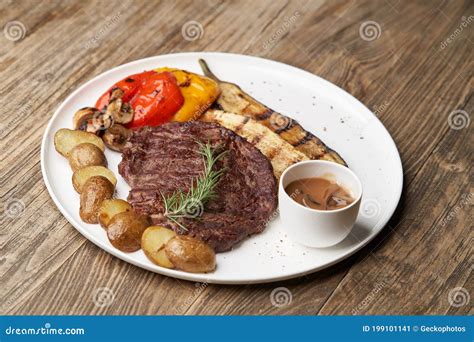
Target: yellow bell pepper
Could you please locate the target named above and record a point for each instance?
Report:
(199, 93)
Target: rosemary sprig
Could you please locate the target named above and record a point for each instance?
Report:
(190, 204)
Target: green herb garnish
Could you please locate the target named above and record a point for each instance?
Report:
(190, 204)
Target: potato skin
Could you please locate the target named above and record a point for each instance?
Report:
(110, 208)
(154, 239)
(80, 177)
(86, 154)
(66, 139)
(190, 254)
(125, 230)
(94, 191)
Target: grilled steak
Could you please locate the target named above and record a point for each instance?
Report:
(160, 160)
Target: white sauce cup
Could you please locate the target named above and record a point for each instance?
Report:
(312, 227)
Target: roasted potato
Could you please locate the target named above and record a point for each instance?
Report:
(95, 190)
(125, 230)
(66, 139)
(110, 208)
(190, 255)
(116, 136)
(86, 154)
(154, 239)
(80, 177)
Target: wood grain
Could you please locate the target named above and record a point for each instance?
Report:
(410, 76)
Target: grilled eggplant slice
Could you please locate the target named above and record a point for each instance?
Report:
(280, 153)
(233, 99)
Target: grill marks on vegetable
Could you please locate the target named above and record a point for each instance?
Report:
(233, 99)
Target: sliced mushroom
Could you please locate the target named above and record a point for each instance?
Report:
(116, 93)
(91, 120)
(83, 119)
(125, 115)
(102, 121)
(115, 102)
(121, 113)
(116, 136)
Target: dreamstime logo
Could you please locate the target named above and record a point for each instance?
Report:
(14, 208)
(45, 78)
(192, 30)
(108, 25)
(7, 304)
(465, 200)
(24, 110)
(281, 296)
(458, 119)
(194, 208)
(185, 126)
(369, 298)
(457, 32)
(280, 122)
(371, 208)
(14, 31)
(198, 289)
(458, 297)
(370, 30)
(380, 109)
(103, 296)
(284, 28)
(199, 111)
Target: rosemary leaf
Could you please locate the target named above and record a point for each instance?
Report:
(190, 204)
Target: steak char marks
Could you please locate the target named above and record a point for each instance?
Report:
(164, 159)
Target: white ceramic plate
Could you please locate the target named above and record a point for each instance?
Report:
(333, 115)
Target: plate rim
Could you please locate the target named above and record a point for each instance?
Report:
(204, 277)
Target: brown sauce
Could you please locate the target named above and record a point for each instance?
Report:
(319, 193)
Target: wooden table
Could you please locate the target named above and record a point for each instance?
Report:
(409, 61)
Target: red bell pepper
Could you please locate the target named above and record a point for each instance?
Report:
(155, 97)
(156, 101)
(129, 85)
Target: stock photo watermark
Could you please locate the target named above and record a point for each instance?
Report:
(14, 208)
(14, 31)
(369, 298)
(458, 119)
(370, 208)
(280, 122)
(9, 303)
(458, 297)
(465, 22)
(47, 329)
(379, 109)
(370, 30)
(198, 289)
(99, 35)
(103, 297)
(280, 297)
(192, 30)
(465, 201)
(284, 28)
